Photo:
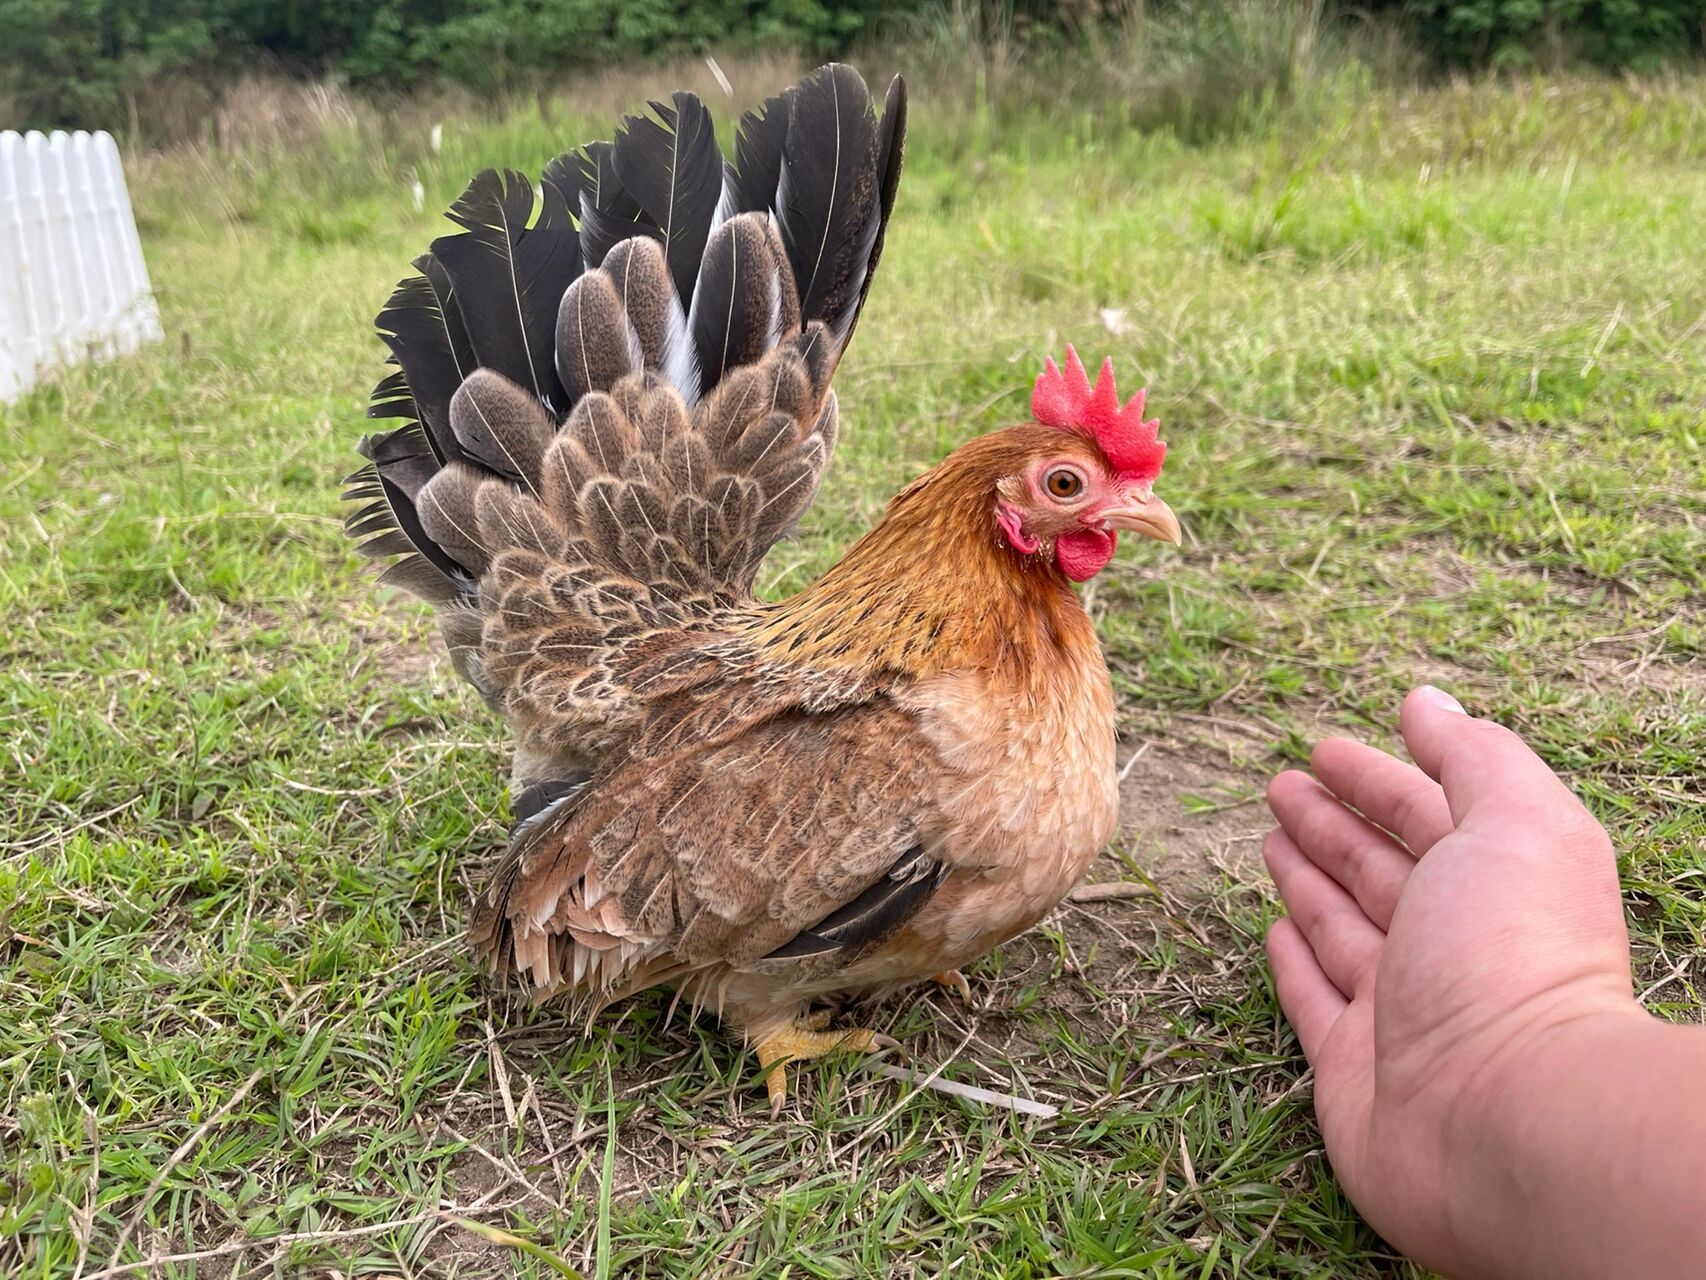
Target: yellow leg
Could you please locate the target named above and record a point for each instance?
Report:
(804, 1041)
(954, 981)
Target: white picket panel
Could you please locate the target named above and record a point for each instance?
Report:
(73, 284)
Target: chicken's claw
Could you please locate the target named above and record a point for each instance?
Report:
(954, 981)
(803, 1042)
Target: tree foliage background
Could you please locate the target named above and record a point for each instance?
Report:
(80, 62)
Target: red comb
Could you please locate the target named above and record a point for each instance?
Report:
(1068, 400)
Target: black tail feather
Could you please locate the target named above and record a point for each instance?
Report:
(777, 247)
(889, 156)
(565, 173)
(672, 168)
(826, 193)
(391, 525)
(420, 328)
(508, 277)
(608, 213)
(455, 327)
(391, 398)
(758, 155)
(405, 455)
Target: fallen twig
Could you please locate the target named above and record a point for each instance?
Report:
(509, 1240)
(1024, 1106)
(290, 1237)
(1108, 892)
(172, 1162)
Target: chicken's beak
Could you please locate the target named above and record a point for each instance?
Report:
(1152, 518)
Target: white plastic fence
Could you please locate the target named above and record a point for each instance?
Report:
(72, 280)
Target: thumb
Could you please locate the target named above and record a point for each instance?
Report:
(1484, 769)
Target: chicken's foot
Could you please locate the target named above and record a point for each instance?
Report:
(805, 1040)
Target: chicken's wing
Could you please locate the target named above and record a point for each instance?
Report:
(782, 850)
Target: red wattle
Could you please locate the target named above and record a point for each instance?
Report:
(1083, 553)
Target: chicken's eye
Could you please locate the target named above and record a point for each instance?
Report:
(1063, 482)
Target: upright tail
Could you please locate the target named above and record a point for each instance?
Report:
(539, 349)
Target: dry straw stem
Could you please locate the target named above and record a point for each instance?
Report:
(183, 1149)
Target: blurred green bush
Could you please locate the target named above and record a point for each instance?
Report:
(1614, 33)
(85, 62)
(80, 62)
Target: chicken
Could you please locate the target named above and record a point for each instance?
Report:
(612, 417)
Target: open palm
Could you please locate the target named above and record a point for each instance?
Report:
(1442, 921)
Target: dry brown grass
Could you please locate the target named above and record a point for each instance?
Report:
(269, 110)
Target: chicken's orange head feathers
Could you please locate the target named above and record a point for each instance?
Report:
(1078, 489)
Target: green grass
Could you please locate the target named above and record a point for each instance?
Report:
(1431, 366)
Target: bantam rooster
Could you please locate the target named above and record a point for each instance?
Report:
(617, 405)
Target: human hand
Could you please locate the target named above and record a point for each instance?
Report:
(1432, 947)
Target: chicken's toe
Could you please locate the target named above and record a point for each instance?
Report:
(954, 981)
(803, 1042)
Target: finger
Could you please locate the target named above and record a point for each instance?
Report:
(1312, 1004)
(1344, 1091)
(1336, 1036)
(1483, 768)
(1345, 941)
(1386, 790)
(1366, 861)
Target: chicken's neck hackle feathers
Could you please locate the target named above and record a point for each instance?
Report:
(934, 588)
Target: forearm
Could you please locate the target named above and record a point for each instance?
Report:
(1596, 1158)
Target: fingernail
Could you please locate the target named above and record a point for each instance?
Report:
(1440, 698)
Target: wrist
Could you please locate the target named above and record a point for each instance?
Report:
(1529, 1112)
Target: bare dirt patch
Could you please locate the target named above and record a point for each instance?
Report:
(407, 656)
(1188, 815)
